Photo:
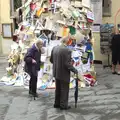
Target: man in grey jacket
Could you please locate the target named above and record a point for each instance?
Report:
(61, 60)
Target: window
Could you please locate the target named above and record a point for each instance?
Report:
(14, 4)
(17, 4)
(106, 8)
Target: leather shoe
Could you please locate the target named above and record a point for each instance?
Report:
(35, 95)
(56, 106)
(65, 108)
(30, 92)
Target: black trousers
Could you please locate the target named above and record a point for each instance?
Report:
(33, 84)
(115, 57)
(61, 93)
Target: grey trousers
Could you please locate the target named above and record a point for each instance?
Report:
(61, 93)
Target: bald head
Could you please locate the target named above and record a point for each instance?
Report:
(65, 40)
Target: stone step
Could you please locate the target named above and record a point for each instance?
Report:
(3, 56)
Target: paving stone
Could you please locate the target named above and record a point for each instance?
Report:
(3, 110)
(4, 100)
(101, 107)
(86, 93)
(17, 109)
(92, 117)
(95, 98)
(111, 91)
(108, 101)
(97, 103)
(116, 85)
(99, 88)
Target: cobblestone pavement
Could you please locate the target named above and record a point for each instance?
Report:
(98, 103)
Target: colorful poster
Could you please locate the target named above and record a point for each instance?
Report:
(90, 15)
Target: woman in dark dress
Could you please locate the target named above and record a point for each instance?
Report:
(32, 65)
(115, 47)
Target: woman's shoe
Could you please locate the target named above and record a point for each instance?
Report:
(56, 106)
(114, 73)
(65, 108)
(35, 95)
(118, 72)
(30, 92)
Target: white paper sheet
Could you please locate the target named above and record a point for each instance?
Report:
(40, 74)
(86, 3)
(43, 58)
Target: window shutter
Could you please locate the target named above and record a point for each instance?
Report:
(106, 8)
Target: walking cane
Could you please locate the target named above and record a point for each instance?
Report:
(76, 91)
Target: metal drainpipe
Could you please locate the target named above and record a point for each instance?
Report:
(0, 19)
(0, 31)
(116, 19)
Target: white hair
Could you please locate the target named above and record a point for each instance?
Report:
(38, 44)
(38, 41)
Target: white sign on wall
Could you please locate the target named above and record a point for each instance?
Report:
(7, 30)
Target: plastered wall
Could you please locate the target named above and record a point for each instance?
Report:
(5, 18)
(111, 19)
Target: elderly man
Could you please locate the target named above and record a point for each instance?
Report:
(61, 59)
(32, 65)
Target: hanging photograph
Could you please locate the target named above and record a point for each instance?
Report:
(7, 30)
